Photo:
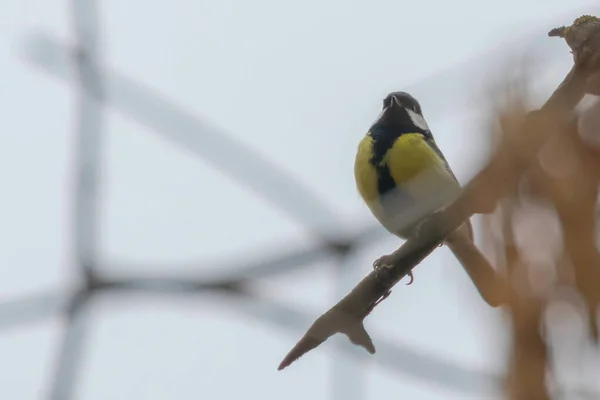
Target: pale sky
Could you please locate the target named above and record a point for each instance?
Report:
(297, 82)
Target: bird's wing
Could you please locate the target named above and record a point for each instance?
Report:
(431, 142)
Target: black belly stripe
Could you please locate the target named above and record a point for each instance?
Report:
(385, 182)
(392, 198)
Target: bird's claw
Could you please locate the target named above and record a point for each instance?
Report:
(412, 278)
(385, 296)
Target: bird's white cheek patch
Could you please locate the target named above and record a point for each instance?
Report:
(417, 119)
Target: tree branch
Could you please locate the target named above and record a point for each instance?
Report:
(480, 195)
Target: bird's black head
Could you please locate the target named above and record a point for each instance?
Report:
(403, 112)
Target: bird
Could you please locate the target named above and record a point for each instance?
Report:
(402, 176)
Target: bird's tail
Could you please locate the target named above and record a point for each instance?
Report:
(491, 285)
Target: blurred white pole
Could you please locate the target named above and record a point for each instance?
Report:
(348, 377)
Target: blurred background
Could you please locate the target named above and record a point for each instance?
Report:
(179, 202)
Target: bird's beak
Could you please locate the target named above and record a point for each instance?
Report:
(390, 110)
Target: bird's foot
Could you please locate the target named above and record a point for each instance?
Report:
(383, 264)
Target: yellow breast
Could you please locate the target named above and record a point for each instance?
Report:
(365, 173)
(415, 168)
(410, 156)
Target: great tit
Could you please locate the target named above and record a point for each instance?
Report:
(402, 176)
